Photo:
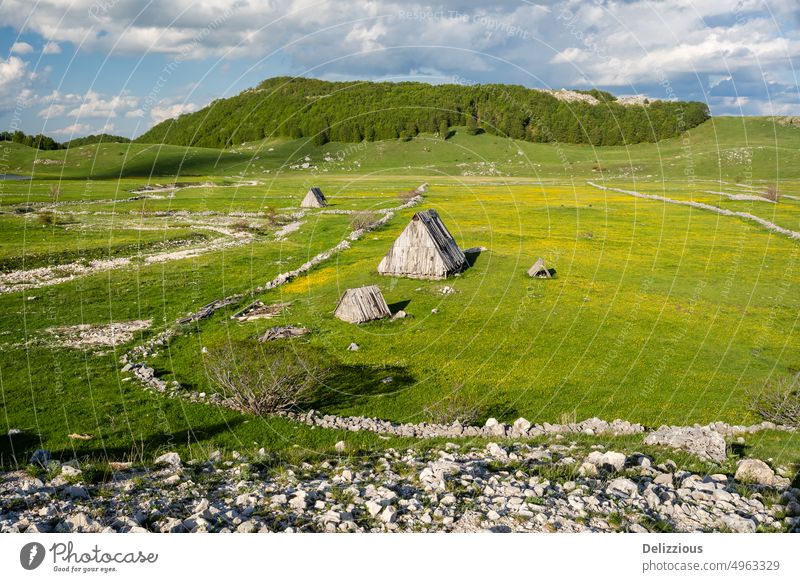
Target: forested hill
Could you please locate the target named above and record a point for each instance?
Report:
(357, 110)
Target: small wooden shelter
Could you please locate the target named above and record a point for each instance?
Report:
(424, 250)
(539, 270)
(314, 199)
(362, 304)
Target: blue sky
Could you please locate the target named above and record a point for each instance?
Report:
(73, 67)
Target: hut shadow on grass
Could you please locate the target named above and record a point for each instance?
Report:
(349, 385)
(398, 306)
(472, 256)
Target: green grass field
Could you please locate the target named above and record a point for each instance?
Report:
(659, 313)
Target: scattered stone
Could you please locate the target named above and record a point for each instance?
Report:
(520, 427)
(609, 461)
(389, 515)
(40, 457)
(759, 473)
(340, 447)
(707, 444)
(353, 347)
(70, 471)
(76, 492)
(457, 488)
(172, 459)
(622, 487)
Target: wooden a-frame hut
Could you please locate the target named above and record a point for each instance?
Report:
(424, 250)
(539, 270)
(361, 305)
(314, 199)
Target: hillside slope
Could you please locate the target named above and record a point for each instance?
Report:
(734, 148)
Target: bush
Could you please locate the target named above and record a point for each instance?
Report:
(407, 196)
(456, 406)
(49, 219)
(55, 192)
(772, 193)
(363, 220)
(265, 379)
(779, 401)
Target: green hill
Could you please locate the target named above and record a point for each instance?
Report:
(723, 147)
(354, 111)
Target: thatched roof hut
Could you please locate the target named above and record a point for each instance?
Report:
(539, 270)
(314, 199)
(362, 304)
(424, 250)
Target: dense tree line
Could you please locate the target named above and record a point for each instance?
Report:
(38, 141)
(92, 139)
(354, 111)
(43, 142)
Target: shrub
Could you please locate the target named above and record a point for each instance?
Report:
(407, 196)
(779, 401)
(55, 192)
(772, 193)
(363, 220)
(456, 406)
(265, 379)
(49, 219)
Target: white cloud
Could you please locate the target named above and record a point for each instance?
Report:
(21, 48)
(95, 105)
(75, 129)
(53, 110)
(14, 81)
(630, 46)
(164, 112)
(51, 48)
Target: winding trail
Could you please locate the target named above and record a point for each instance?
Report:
(745, 215)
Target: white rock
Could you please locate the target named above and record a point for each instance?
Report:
(172, 459)
(76, 492)
(521, 426)
(622, 487)
(389, 515)
(340, 447)
(496, 451)
(755, 471)
(70, 471)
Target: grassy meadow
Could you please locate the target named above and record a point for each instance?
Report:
(659, 314)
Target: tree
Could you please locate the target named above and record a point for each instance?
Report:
(472, 125)
(444, 129)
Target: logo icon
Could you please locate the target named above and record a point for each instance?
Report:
(31, 555)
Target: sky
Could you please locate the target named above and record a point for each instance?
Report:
(70, 68)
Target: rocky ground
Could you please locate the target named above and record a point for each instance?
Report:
(455, 487)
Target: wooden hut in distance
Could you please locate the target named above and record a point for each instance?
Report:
(539, 270)
(424, 250)
(361, 305)
(314, 199)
